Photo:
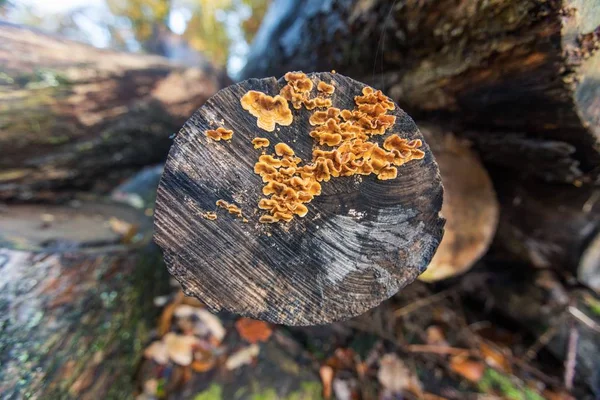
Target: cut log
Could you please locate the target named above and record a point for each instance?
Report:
(550, 226)
(352, 242)
(470, 206)
(76, 290)
(71, 113)
(530, 67)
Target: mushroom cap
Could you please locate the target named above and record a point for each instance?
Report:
(362, 239)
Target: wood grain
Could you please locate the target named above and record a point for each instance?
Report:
(362, 240)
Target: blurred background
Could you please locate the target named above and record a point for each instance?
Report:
(506, 93)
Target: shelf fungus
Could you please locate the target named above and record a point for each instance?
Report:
(260, 142)
(268, 110)
(219, 134)
(342, 199)
(348, 133)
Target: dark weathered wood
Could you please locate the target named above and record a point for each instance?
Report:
(530, 67)
(362, 240)
(549, 226)
(71, 113)
(76, 299)
(470, 206)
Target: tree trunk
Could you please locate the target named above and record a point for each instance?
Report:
(70, 113)
(76, 299)
(550, 226)
(525, 67)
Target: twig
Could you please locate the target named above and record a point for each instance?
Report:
(571, 361)
(425, 348)
(581, 317)
(543, 340)
(415, 305)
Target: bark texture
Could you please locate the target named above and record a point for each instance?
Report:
(525, 67)
(76, 297)
(550, 226)
(71, 114)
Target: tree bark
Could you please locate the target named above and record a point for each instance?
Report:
(550, 226)
(70, 113)
(76, 298)
(525, 67)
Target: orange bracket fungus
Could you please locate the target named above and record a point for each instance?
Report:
(342, 211)
(268, 110)
(219, 134)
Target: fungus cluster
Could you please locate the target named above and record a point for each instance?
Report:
(219, 134)
(298, 89)
(259, 142)
(232, 208)
(347, 132)
(267, 109)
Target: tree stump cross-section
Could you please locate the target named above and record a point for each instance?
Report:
(361, 240)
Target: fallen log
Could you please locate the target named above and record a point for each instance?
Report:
(353, 215)
(550, 226)
(470, 206)
(77, 284)
(71, 113)
(525, 67)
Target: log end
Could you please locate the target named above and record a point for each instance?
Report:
(335, 215)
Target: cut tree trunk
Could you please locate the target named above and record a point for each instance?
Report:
(359, 241)
(470, 206)
(76, 299)
(71, 114)
(525, 67)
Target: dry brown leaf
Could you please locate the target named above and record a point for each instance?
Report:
(203, 366)
(342, 359)
(468, 369)
(164, 322)
(122, 228)
(157, 351)
(435, 336)
(253, 331)
(180, 347)
(494, 357)
(326, 373)
(393, 375)
(212, 322)
(559, 395)
(242, 357)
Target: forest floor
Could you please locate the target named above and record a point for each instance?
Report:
(427, 342)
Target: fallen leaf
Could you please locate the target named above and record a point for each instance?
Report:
(242, 357)
(435, 336)
(180, 348)
(494, 357)
(468, 369)
(253, 331)
(393, 375)
(342, 359)
(212, 322)
(203, 366)
(326, 373)
(559, 395)
(343, 389)
(157, 351)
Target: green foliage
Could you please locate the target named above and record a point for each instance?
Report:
(509, 388)
(214, 392)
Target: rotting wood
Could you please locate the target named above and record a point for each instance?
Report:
(360, 242)
(71, 114)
